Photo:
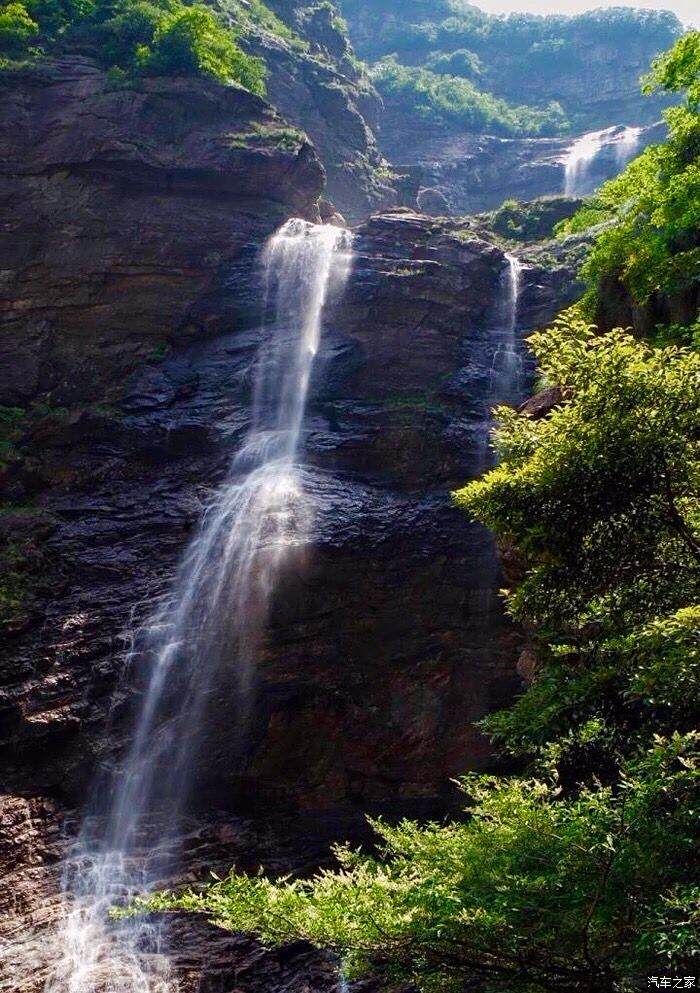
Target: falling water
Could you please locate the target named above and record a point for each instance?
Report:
(578, 161)
(205, 635)
(506, 365)
(627, 146)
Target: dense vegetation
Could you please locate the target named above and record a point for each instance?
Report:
(440, 99)
(132, 37)
(522, 58)
(576, 874)
(449, 26)
(530, 221)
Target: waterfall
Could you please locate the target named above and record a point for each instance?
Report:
(627, 146)
(621, 146)
(579, 159)
(506, 365)
(205, 636)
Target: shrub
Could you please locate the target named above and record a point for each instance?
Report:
(534, 891)
(191, 40)
(16, 28)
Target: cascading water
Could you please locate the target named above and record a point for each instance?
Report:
(627, 146)
(620, 145)
(205, 634)
(506, 366)
(578, 161)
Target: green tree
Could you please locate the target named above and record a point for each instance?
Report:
(602, 499)
(16, 28)
(534, 891)
(192, 40)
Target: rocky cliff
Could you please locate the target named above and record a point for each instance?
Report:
(131, 318)
(468, 173)
(123, 205)
(317, 83)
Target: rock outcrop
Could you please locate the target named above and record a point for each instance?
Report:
(122, 207)
(471, 173)
(323, 89)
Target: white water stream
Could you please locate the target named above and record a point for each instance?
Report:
(583, 153)
(205, 634)
(506, 366)
(579, 160)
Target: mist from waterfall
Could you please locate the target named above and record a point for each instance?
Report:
(204, 636)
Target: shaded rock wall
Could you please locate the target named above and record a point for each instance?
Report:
(325, 91)
(122, 207)
(390, 643)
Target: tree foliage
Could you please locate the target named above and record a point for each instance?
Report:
(452, 99)
(136, 37)
(512, 52)
(534, 891)
(602, 498)
(17, 28)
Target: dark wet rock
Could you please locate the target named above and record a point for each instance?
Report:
(121, 219)
(386, 645)
(391, 642)
(432, 200)
(542, 404)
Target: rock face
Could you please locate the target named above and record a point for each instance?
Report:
(324, 90)
(121, 218)
(471, 173)
(136, 227)
(390, 644)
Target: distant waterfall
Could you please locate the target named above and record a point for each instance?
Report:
(503, 359)
(206, 634)
(578, 161)
(620, 146)
(627, 146)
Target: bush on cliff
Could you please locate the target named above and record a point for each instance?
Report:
(451, 99)
(136, 37)
(190, 40)
(16, 28)
(536, 890)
